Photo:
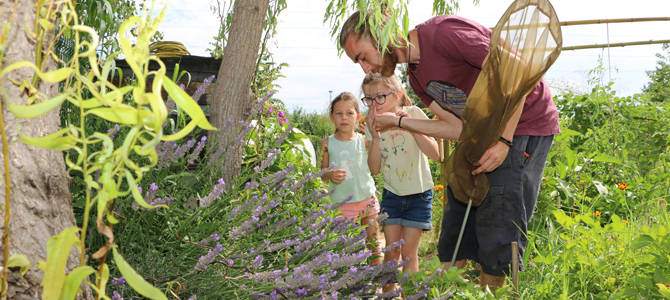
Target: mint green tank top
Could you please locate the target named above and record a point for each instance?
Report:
(352, 157)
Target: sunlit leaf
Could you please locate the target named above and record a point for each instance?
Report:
(57, 253)
(607, 158)
(53, 76)
(53, 141)
(135, 280)
(102, 280)
(122, 114)
(74, 280)
(19, 260)
(36, 110)
(641, 241)
(48, 26)
(663, 290)
(187, 103)
(179, 135)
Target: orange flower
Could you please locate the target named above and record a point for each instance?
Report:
(442, 198)
(583, 180)
(597, 214)
(624, 221)
(622, 185)
(438, 187)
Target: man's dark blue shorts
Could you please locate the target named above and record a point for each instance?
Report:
(503, 216)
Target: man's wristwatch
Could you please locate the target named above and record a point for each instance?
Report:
(506, 141)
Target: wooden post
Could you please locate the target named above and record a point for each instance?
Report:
(515, 267)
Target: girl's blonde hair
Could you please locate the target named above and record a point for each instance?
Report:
(391, 82)
(347, 97)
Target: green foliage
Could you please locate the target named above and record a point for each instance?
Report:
(658, 88)
(119, 168)
(316, 126)
(389, 20)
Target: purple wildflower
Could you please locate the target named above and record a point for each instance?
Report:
(271, 156)
(113, 131)
(196, 152)
(202, 88)
(285, 134)
(205, 260)
(219, 188)
(120, 280)
(258, 261)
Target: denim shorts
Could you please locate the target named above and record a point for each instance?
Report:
(503, 216)
(413, 210)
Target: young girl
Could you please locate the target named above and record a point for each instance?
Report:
(401, 156)
(347, 149)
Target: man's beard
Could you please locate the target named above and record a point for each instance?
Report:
(390, 60)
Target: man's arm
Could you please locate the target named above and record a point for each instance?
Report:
(446, 126)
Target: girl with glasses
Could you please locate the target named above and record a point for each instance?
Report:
(402, 157)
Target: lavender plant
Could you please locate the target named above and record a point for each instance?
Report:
(271, 233)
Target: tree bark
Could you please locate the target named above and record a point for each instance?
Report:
(40, 199)
(233, 98)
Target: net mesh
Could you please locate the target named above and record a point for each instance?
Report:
(524, 44)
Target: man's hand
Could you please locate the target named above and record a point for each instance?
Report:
(492, 158)
(386, 121)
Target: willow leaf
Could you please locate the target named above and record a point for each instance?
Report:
(36, 110)
(135, 280)
(74, 280)
(122, 114)
(53, 141)
(19, 260)
(186, 103)
(57, 255)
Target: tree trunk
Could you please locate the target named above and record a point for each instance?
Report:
(40, 199)
(233, 98)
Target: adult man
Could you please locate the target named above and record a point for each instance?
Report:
(445, 56)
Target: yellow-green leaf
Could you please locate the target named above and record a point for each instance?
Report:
(122, 114)
(53, 76)
(74, 280)
(36, 110)
(101, 293)
(19, 260)
(187, 104)
(57, 255)
(135, 280)
(48, 26)
(179, 135)
(665, 292)
(135, 192)
(102, 280)
(52, 142)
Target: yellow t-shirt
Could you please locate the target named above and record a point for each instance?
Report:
(404, 166)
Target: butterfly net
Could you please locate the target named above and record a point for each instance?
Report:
(524, 44)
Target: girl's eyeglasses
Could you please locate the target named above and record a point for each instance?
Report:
(380, 99)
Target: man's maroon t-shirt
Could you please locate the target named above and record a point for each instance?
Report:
(452, 52)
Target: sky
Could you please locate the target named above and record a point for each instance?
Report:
(316, 72)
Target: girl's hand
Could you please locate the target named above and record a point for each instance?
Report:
(337, 176)
(403, 114)
(361, 126)
(372, 124)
